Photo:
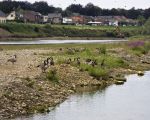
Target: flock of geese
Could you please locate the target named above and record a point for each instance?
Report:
(50, 61)
(46, 64)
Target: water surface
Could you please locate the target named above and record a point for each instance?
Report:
(130, 101)
(31, 42)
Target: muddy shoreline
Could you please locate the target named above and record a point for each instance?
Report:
(24, 89)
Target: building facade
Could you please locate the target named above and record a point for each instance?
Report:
(2, 17)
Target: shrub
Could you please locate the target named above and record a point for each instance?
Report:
(146, 28)
(98, 73)
(102, 50)
(85, 67)
(51, 75)
(114, 62)
(139, 47)
(36, 29)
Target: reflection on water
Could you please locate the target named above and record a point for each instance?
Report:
(130, 101)
(56, 42)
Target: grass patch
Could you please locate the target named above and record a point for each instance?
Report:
(99, 73)
(51, 75)
(37, 30)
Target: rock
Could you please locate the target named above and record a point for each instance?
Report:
(121, 79)
(24, 104)
(140, 73)
(119, 82)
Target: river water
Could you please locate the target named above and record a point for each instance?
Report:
(37, 42)
(130, 101)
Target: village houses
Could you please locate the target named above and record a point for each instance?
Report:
(2, 17)
(55, 18)
(27, 16)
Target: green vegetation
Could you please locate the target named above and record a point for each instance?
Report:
(146, 29)
(21, 30)
(51, 75)
(99, 73)
(139, 47)
(101, 53)
(100, 69)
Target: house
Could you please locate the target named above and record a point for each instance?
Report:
(113, 23)
(67, 21)
(11, 16)
(31, 16)
(44, 19)
(79, 19)
(2, 17)
(94, 23)
(115, 20)
(55, 18)
(107, 20)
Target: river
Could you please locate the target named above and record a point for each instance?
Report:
(37, 42)
(130, 101)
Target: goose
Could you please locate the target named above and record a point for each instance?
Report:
(43, 66)
(13, 60)
(78, 61)
(51, 62)
(68, 61)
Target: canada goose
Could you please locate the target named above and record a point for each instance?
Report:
(48, 60)
(13, 60)
(43, 66)
(78, 61)
(51, 62)
(92, 63)
(68, 61)
(88, 60)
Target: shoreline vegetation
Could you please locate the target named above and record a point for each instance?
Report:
(25, 89)
(22, 31)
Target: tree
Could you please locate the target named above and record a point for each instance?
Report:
(44, 8)
(75, 8)
(92, 10)
(134, 13)
(147, 13)
(141, 20)
(146, 28)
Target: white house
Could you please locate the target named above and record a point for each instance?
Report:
(2, 17)
(113, 23)
(67, 21)
(94, 23)
(11, 16)
(44, 19)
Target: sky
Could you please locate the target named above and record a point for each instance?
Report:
(127, 4)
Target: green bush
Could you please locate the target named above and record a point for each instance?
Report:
(102, 50)
(98, 73)
(146, 28)
(51, 75)
(114, 62)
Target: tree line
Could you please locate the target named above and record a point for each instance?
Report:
(89, 9)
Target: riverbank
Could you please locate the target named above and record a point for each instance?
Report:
(20, 31)
(26, 90)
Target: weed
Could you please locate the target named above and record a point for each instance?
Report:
(51, 75)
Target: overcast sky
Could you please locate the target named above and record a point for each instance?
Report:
(101, 3)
